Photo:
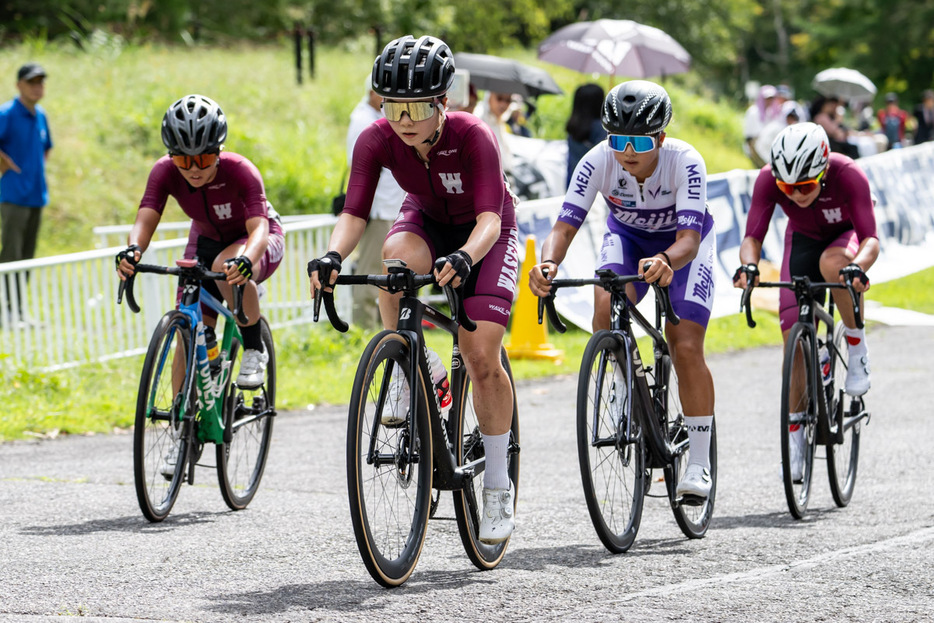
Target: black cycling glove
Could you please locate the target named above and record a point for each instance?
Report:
(854, 271)
(460, 261)
(751, 270)
(243, 264)
(324, 265)
(128, 254)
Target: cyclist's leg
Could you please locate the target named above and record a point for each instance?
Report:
(408, 240)
(619, 253)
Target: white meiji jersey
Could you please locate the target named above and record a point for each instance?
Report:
(674, 197)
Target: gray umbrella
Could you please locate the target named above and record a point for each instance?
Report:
(504, 75)
(615, 47)
(843, 82)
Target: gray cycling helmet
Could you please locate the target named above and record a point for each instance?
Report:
(194, 125)
(636, 107)
(800, 152)
(411, 68)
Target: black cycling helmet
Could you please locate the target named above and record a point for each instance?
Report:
(636, 107)
(194, 125)
(411, 68)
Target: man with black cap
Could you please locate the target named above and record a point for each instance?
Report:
(25, 142)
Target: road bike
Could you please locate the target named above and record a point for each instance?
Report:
(812, 392)
(184, 402)
(395, 473)
(629, 418)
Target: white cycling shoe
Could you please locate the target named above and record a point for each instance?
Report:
(497, 522)
(696, 483)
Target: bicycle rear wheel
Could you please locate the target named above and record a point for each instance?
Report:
(843, 458)
(468, 502)
(799, 409)
(610, 445)
(389, 469)
(161, 438)
(693, 519)
(248, 422)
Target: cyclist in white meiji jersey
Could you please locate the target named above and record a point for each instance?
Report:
(655, 189)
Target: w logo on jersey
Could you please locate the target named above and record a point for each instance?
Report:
(223, 211)
(834, 215)
(452, 183)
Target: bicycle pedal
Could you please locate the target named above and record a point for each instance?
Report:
(690, 500)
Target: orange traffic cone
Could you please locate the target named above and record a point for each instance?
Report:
(528, 339)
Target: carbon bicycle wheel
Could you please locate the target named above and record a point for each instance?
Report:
(389, 468)
(612, 459)
(468, 502)
(693, 519)
(160, 435)
(799, 413)
(846, 412)
(248, 421)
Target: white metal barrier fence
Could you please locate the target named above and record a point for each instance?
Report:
(61, 311)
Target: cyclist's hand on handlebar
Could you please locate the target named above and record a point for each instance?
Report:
(654, 269)
(239, 270)
(329, 267)
(453, 268)
(539, 281)
(857, 275)
(126, 261)
(744, 274)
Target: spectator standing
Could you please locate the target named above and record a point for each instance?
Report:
(386, 203)
(584, 127)
(825, 113)
(791, 113)
(924, 116)
(25, 142)
(760, 113)
(892, 121)
(493, 111)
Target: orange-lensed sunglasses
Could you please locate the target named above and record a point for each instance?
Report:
(202, 161)
(806, 187)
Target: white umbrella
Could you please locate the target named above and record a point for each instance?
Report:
(615, 47)
(843, 82)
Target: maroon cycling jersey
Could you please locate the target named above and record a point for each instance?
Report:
(218, 210)
(844, 203)
(463, 176)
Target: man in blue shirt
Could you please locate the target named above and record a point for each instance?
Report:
(24, 145)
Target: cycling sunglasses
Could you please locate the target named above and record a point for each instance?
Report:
(202, 161)
(805, 188)
(417, 111)
(640, 144)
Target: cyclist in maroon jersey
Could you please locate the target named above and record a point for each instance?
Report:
(234, 228)
(458, 208)
(831, 233)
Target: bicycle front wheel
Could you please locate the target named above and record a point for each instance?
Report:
(160, 435)
(798, 420)
(693, 519)
(389, 468)
(846, 415)
(610, 445)
(248, 420)
(468, 502)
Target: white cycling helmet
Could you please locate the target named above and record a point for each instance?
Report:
(800, 152)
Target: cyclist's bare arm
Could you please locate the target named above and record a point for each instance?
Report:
(750, 252)
(554, 250)
(344, 239)
(141, 233)
(866, 256)
(257, 240)
(484, 235)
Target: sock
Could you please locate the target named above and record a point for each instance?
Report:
(856, 342)
(495, 475)
(699, 439)
(252, 337)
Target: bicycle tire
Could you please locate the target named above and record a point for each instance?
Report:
(241, 459)
(613, 469)
(468, 502)
(390, 499)
(161, 432)
(694, 520)
(794, 378)
(843, 459)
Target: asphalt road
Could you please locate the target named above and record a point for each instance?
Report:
(75, 544)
